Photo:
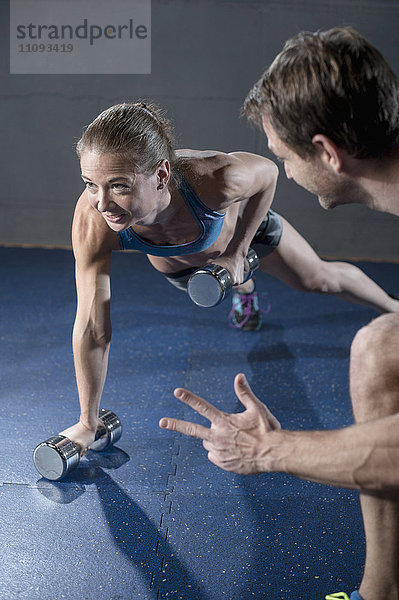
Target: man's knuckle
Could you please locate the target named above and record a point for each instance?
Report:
(191, 430)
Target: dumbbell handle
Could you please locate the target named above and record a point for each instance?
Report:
(58, 455)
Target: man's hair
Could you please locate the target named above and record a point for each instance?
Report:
(330, 82)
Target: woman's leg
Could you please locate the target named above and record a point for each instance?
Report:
(295, 263)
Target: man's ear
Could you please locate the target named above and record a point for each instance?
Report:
(330, 153)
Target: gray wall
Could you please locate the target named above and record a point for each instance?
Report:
(206, 54)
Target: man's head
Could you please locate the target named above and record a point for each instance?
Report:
(321, 174)
(332, 83)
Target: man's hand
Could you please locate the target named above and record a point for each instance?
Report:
(235, 442)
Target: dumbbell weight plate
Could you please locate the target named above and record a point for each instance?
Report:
(58, 455)
(55, 457)
(110, 433)
(208, 286)
(253, 263)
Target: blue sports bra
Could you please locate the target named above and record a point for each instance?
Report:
(210, 221)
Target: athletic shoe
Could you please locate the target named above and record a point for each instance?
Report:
(246, 313)
(343, 596)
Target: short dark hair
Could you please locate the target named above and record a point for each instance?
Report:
(330, 82)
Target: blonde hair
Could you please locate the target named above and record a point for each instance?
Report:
(135, 131)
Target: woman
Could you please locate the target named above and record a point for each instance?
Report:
(183, 209)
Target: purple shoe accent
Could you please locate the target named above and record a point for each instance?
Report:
(246, 312)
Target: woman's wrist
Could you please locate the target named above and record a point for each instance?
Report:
(89, 423)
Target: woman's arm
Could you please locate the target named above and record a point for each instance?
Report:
(250, 180)
(92, 244)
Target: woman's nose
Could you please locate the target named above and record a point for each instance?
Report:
(103, 201)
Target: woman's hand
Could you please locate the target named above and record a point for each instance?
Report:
(236, 264)
(81, 435)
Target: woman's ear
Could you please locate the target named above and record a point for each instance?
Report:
(163, 173)
(330, 153)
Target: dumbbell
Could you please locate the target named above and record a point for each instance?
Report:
(58, 455)
(211, 284)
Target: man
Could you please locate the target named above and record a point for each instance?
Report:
(329, 105)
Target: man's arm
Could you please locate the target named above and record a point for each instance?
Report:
(364, 456)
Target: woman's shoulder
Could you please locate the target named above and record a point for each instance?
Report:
(201, 163)
(206, 168)
(224, 178)
(210, 174)
(90, 233)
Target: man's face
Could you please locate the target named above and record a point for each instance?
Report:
(311, 173)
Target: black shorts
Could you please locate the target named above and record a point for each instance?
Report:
(265, 240)
(268, 234)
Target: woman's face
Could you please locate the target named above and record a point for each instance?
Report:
(122, 197)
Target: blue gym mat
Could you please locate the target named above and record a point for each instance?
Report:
(151, 518)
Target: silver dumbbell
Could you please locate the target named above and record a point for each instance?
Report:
(210, 285)
(58, 455)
